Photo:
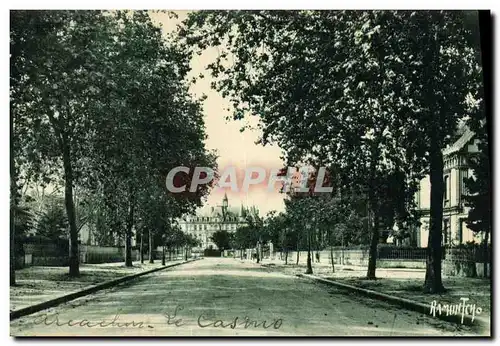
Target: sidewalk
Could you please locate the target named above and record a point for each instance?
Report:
(324, 268)
(400, 282)
(35, 285)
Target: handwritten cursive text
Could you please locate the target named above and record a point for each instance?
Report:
(54, 320)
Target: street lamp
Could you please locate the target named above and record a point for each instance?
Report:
(224, 216)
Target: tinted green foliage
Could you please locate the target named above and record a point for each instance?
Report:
(99, 102)
(373, 95)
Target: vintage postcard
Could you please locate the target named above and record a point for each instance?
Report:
(250, 173)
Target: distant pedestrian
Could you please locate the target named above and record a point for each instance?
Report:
(317, 257)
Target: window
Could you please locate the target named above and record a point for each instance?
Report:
(446, 231)
(465, 176)
(446, 196)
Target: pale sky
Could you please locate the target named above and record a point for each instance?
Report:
(234, 147)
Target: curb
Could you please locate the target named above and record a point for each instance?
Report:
(92, 289)
(405, 303)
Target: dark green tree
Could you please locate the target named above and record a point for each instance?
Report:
(242, 239)
(53, 223)
(222, 239)
(382, 103)
(55, 62)
(478, 196)
(83, 84)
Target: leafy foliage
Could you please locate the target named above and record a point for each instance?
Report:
(99, 100)
(478, 195)
(374, 95)
(53, 224)
(222, 239)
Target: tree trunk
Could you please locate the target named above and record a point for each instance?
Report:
(128, 234)
(372, 259)
(12, 244)
(298, 253)
(433, 280)
(309, 264)
(128, 248)
(332, 259)
(257, 252)
(141, 249)
(163, 255)
(486, 255)
(13, 203)
(74, 255)
(286, 257)
(372, 209)
(186, 254)
(151, 257)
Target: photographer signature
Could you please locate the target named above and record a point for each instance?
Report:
(462, 309)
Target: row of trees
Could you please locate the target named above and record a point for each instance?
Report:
(100, 105)
(306, 223)
(373, 95)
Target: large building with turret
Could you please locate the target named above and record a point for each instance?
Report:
(206, 222)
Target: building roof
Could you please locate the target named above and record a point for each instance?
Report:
(462, 141)
(216, 211)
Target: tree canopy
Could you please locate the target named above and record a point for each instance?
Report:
(373, 95)
(100, 101)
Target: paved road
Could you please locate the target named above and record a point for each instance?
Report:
(227, 297)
